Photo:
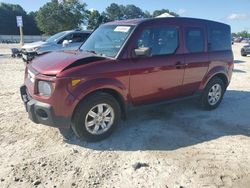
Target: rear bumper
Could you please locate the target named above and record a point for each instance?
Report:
(42, 113)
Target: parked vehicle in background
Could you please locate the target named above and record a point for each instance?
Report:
(66, 40)
(238, 39)
(245, 40)
(245, 50)
(126, 64)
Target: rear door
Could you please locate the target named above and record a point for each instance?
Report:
(196, 56)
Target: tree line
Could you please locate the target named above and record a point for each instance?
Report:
(243, 34)
(56, 16)
(8, 25)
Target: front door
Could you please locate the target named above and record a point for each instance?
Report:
(159, 76)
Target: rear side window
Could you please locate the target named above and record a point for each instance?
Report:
(219, 39)
(162, 40)
(195, 40)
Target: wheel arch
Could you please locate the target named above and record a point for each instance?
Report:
(117, 96)
(220, 73)
(111, 91)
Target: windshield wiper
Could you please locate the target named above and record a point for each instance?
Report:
(94, 52)
(91, 51)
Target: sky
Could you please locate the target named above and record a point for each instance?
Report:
(233, 12)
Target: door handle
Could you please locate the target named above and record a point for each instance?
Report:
(179, 65)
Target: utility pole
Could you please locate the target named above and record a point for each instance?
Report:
(21, 36)
(19, 21)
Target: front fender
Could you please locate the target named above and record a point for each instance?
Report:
(87, 87)
(46, 49)
(211, 73)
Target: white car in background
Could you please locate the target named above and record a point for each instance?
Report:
(65, 40)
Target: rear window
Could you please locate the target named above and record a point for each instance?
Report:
(219, 39)
(195, 40)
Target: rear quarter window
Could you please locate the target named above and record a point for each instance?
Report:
(219, 38)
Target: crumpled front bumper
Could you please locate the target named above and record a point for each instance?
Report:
(28, 56)
(42, 113)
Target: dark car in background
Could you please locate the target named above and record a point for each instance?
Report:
(245, 50)
(65, 40)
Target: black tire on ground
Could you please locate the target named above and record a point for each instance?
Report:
(84, 107)
(205, 95)
(67, 134)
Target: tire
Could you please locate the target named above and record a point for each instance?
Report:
(207, 102)
(243, 54)
(87, 113)
(66, 133)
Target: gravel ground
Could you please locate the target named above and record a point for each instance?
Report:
(177, 145)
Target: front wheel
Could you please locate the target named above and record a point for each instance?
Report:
(96, 117)
(213, 94)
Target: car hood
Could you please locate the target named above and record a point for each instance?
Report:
(34, 45)
(55, 62)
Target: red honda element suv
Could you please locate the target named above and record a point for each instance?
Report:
(128, 63)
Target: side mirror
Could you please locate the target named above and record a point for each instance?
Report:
(142, 52)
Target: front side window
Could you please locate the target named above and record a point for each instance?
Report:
(161, 41)
(107, 40)
(67, 37)
(79, 37)
(195, 40)
(55, 37)
(84, 36)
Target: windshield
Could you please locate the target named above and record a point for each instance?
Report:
(107, 40)
(53, 38)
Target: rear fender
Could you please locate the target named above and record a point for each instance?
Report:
(213, 72)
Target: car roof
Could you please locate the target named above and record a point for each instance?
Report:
(78, 31)
(159, 20)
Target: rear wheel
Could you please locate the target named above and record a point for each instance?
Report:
(213, 94)
(96, 117)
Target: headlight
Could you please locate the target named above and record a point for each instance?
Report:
(35, 49)
(45, 88)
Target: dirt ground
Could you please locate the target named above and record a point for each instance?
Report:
(177, 145)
